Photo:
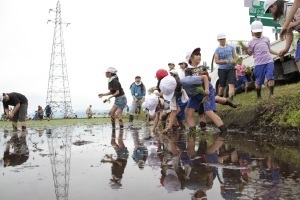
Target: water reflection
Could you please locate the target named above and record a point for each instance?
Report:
(140, 151)
(176, 165)
(59, 144)
(16, 150)
(118, 161)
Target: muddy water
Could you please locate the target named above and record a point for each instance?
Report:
(93, 162)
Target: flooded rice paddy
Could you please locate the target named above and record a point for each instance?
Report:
(94, 162)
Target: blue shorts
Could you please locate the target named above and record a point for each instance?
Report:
(212, 158)
(121, 101)
(195, 101)
(210, 105)
(241, 80)
(297, 58)
(264, 71)
(181, 115)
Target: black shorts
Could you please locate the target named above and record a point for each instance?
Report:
(226, 76)
(21, 114)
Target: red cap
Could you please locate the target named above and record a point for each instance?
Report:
(161, 73)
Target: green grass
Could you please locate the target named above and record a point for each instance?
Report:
(40, 124)
(281, 111)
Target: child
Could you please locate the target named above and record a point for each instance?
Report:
(115, 90)
(241, 75)
(203, 102)
(284, 12)
(224, 57)
(259, 47)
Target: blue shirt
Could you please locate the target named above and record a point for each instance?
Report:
(193, 85)
(138, 91)
(225, 53)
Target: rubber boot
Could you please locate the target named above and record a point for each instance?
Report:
(203, 126)
(258, 92)
(229, 103)
(271, 91)
(223, 131)
(131, 118)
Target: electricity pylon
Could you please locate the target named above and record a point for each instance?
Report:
(58, 93)
(59, 143)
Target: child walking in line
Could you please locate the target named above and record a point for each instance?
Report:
(259, 47)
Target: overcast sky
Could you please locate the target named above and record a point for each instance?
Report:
(135, 36)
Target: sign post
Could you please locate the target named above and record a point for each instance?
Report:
(257, 13)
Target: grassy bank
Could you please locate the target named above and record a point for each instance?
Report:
(280, 114)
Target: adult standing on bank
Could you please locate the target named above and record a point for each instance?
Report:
(224, 56)
(115, 90)
(19, 113)
(138, 92)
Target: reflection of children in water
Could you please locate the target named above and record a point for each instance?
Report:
(140, 152)
(233, 180)
(172, 173)
(20, 152)
(118, 164)
(199, 177)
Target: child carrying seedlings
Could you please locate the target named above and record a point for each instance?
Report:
(259, 47)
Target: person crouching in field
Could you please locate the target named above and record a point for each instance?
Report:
(19, 113)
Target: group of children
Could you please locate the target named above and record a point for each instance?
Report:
(192, 91)
(179, 97)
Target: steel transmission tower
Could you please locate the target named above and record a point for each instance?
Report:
(59, 143)
(58, 93)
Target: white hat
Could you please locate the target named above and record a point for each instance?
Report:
(221, 36)
(188, 55)
(256, 27)
(173, 71)
(269, 3)
(171, 181)
(167, 86)
(150, 103)
(111, 70)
